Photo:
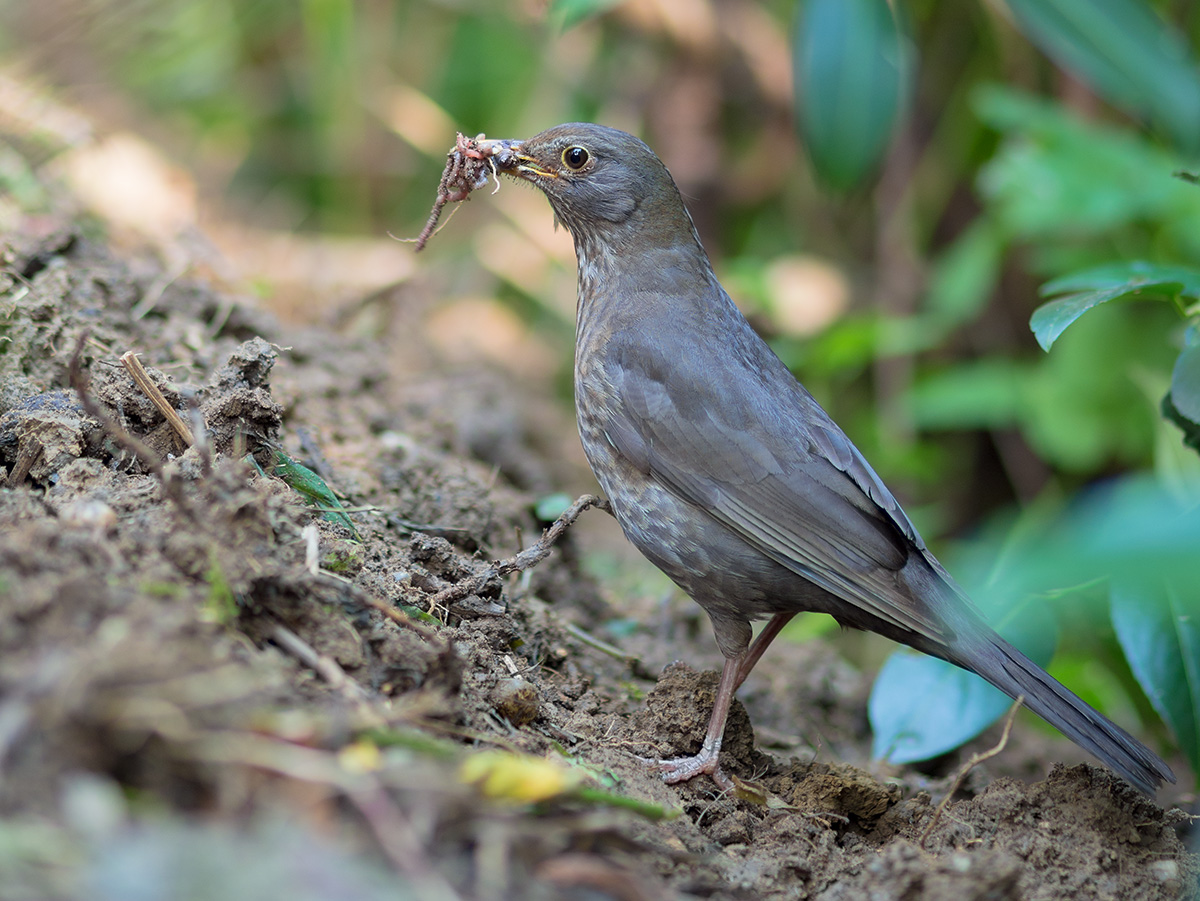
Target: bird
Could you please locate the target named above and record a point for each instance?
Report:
(725, 472)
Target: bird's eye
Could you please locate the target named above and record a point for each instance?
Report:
(576, 158)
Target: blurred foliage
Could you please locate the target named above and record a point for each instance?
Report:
(1124, 551)
(852, 75)
(981, 150)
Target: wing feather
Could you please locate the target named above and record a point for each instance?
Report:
(781, 475)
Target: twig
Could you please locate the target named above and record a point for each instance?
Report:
(325, 667)
(526, 559)
(203, 443)
(79, 381)
(312, 548)
(599, 644)
(147, 457)
(973, 762)
(362, 598)
(27, 455)
(142, 379)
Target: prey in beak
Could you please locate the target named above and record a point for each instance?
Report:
(468, 165)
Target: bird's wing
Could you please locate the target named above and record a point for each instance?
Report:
(741, 438)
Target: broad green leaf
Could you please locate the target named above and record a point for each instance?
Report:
(1092, 287)
(921, 707)
(1138, 273)
(1131, 530)
(1126, 53)
(1185, 383)
(1081, 410)
(1158, 626)
(852, 76)
(1190, 429)
(1051, 319)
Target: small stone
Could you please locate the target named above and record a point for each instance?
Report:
(89, 514)
(517, 701)
(1166, 872)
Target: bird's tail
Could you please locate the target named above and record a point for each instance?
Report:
(1016, 675)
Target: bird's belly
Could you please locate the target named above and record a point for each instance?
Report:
(729, 578)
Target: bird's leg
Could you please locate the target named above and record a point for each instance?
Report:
(773, 627)
(680, 769)
(733, 674)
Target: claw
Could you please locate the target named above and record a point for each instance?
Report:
(681, 769)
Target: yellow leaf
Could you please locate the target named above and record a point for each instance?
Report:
(518, 777)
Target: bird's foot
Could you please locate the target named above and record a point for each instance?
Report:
(681, 769)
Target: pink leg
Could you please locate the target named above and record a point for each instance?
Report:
(733, 674)
(773, 627)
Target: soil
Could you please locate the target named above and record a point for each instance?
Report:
(211, 687)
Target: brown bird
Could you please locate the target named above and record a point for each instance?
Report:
(725, 472)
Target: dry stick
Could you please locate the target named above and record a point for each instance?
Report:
(325, 667)
(142, 378)
(203, 445)
(361, 597)
(26, 457)
(526, 559)
(973, 762)
(147, 457)
(599, 644)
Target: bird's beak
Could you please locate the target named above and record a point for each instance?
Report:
(507, 157)
(525, 166)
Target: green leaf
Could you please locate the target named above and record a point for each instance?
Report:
(1051, 319)
(1138, 273)
(965, 275)
(1191, 430)
(1057, 175)
(921, 707)
(551, 506)
(1092, 287)
(1126, 53)
(852, 77)
(313, 489)
(983, 394)
(569, 13)
(1158, 626)
(1185, 383)
(1130, 530)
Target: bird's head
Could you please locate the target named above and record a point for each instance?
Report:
(607, 187)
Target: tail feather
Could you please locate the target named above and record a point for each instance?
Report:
(1016, 675)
